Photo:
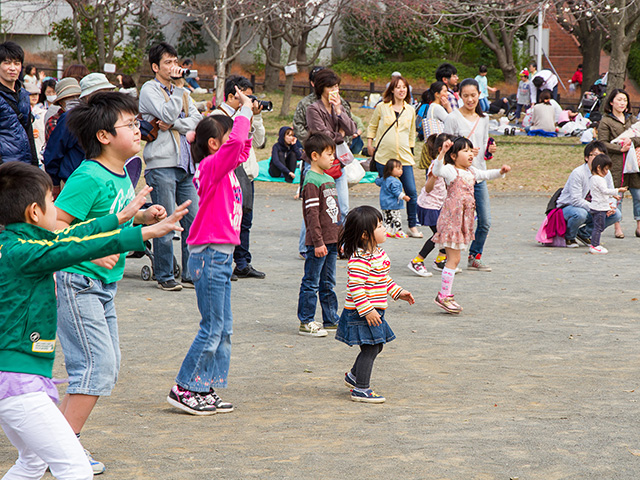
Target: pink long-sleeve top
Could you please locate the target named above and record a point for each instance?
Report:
(220, 197)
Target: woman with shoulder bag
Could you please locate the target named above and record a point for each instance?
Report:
(329, 117)
(393, 129)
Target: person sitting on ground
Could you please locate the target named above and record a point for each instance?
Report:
(575, 200)
(191, 83)
(543, 121)
(285, 155)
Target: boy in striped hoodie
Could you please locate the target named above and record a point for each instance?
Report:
(321, 215)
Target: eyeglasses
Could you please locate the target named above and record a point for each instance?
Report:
(132, 126)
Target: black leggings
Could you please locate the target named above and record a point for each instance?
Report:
(364, 364)
(429, 245)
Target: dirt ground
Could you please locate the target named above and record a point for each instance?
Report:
(536, 379)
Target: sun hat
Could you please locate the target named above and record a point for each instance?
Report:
(94, 82)
(396, 74)
(65, 88)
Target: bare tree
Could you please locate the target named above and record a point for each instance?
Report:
(108, 19)
(292, 22)
(231, 24)
(577, 19)
(623, 20)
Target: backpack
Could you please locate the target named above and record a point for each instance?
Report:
(421, 113)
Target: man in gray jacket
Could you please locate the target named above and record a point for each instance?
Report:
(169, 168)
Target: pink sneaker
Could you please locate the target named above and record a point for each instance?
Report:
(448, 304)
(401, 234)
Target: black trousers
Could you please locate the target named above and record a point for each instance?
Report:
(364, 364)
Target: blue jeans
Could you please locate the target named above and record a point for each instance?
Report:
(356, 145)
(241, 254)
(88, 332)
(483, 211)
(207, 362)
(409, 187)
(484, 104)
(342, 187)
(635, 196)
(319, 280)
(579, 220)
(172, 186)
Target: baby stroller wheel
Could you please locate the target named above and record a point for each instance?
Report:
(145, 273)
(176, 268)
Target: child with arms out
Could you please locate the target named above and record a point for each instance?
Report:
(31, 250)
(219, 146)
(363, 319)
(106, 128)
(392, 197)
(430, 202)
(455, 223)
(321, 215)
(603, 200)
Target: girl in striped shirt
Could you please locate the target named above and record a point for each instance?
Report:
(362, 321)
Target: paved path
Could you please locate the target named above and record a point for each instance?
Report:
(537, 379)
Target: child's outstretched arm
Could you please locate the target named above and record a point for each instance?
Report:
(491, 174)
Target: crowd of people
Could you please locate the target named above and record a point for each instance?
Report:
(68, 206)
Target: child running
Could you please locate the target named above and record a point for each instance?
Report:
(392, 197)
(430, 202)
(455, 223)
(362, 321)
(214, 233)
(603, 200)
(31, 250)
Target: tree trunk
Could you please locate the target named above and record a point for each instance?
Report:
(288, 84)
(271, 73)
(590, 47)
(100, 35)
(221, 68)
(301, 57)
(506, 64)
(618, 64)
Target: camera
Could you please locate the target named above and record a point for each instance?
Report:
(266, 105)
(186, 73)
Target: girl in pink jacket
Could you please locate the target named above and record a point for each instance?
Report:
(219, 146)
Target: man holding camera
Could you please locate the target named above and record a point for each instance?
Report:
(245, 172)
(169, 168)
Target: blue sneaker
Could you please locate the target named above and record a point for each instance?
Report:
(368, 396)
(349, 380)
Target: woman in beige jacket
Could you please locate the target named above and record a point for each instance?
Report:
(398, 142)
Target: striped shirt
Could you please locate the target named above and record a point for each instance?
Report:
(369, 282)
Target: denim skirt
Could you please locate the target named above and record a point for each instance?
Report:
(428, 217)
(354, 329)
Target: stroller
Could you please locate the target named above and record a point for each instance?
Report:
(592, 99)
(134, 169)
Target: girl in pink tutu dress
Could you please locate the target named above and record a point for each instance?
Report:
(455, 224)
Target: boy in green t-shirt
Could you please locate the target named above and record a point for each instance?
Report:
(109, 133)
(31, 250)
(321, 214)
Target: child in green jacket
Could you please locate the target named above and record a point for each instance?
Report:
(30, 252)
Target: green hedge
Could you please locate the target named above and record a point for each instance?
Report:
(423, 69)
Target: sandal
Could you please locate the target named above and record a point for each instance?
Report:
(637, 233)
(415, 235)
(621, 235)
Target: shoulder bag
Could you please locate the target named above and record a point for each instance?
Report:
(372, 162)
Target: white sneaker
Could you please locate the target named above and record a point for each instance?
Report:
(599, 250)
(419, 269)
(97, 467)
(312, 329)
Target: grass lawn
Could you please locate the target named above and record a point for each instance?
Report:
(538, 164)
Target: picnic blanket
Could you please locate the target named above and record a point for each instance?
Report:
(264, 176)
